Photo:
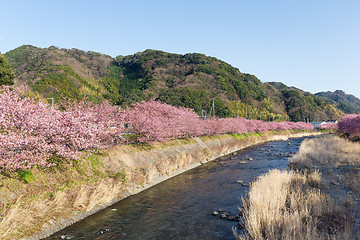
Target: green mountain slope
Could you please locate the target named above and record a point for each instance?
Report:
(191, 80)
(53, 72)
(301, 105)
(346, 102)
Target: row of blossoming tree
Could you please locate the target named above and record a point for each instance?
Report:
(32, 131)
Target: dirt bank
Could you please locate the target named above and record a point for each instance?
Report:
(56, 198)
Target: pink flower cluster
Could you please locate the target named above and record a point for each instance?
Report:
(31, 131)
(350, 125)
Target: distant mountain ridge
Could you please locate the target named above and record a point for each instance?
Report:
(346, 102)
(191, 80)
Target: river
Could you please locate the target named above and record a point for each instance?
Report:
(181, 207)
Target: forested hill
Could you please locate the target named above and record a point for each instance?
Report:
(52, 72)
(191, 80)
(301, 105)
(345, 102)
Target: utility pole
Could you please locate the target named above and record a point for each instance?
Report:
(213, 107)
(203, 114)
(52, 102)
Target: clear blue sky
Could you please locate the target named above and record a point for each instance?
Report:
(310, 44)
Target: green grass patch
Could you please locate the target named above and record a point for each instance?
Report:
(120, 176)
(130, 137)
(26, 176)
(246, 135)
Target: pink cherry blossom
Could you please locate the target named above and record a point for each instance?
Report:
(31, 131)
(350, 125)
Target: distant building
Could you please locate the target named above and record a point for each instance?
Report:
(331, 121)
(318, 124)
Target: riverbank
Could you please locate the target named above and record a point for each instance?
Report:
(49, 200)
(324, 190)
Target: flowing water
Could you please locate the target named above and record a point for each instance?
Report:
(181, 207)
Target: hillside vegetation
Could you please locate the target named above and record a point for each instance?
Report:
(192, 80)
(345, 102)
(6, 72)
(301, 105)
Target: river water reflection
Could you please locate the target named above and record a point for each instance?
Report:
(181, 207)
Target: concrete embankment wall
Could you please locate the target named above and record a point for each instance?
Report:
(144, 169)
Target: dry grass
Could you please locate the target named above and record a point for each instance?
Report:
(288, 205)
(313, 202)
(335, 156)
(326, 150)
(22, 219)
(54, 194)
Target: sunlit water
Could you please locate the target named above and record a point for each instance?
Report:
(181, 207)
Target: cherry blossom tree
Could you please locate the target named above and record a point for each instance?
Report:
(32, 131)
(350, 125)
(155, 121)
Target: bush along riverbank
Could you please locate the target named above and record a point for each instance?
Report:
(42, 200)
(318, 199)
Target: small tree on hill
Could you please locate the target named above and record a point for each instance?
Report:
(6, 72)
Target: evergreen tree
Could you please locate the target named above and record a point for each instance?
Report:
(6, 72)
